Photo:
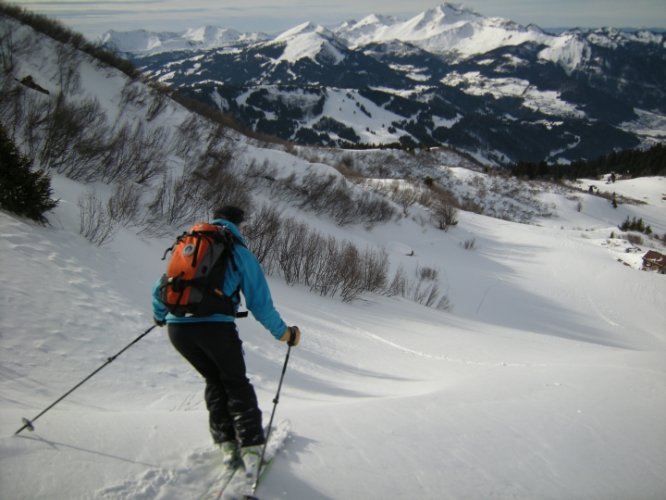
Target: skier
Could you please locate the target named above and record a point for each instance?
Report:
(212, 346)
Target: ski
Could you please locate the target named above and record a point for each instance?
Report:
(226, 479)
(242, 487)
(222, 482)
(250, 484)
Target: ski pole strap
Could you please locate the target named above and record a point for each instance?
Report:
(292, 336)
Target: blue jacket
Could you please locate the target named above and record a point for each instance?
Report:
(246, 276)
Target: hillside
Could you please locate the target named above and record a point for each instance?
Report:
(542, 378)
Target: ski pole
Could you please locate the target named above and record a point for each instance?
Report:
(27, 424)
(270, 423)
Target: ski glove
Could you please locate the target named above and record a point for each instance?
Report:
(159, 322)
(292, 336)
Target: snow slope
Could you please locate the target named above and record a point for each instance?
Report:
(545, 381)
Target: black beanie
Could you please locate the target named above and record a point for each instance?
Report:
(230, 213)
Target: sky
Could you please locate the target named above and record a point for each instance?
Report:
(274, 16)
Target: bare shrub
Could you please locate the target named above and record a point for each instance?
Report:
(394, 190)
(10, 50)
(398, 285)
(35, 118)
(289, 247)
(374, 209)
(150, 151)
(67, 61)
(95, 223)
(329, 267)
(426, 289)
(341, 205)
(469, 244)
(218, 183)
(176, 201)
(117, 161)
(158, 104)
(188, 135)
(469, 205)
(346, 167)
(136, 153)
(131, 95)
(349, 272)
(406, 197)
(326, 279)
(264, 171)
(374, 269)
(123, 205)
(333, 196)
(444, 213)
(444, 304)
(635, 239)
(304, 256)
(427, 274)
(74, 141)
(13, 101)
(312, 261)
(262, 233)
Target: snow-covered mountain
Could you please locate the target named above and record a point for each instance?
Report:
(447, 76)
(447, 29)
(309, 41)
(545, 378)
(202, 38)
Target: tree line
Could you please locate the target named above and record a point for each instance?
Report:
(628, 163)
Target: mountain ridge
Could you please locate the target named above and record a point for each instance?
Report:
(498, 90)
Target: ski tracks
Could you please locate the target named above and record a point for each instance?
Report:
(189, 480)
(436, 357)
(193, 479)
(603, 313)
(55, 260)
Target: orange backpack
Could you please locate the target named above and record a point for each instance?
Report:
(192, 284)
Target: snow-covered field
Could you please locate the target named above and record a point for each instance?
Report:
(546, 380)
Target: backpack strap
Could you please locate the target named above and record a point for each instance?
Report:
(230, 260)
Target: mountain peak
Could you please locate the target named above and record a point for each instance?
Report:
(376, 19)
(204, 37)
(452, 12)
(442, 17)
(311, 41)
(301, 29)
(207, 34)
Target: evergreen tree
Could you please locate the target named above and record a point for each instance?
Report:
(631, 163)
(23, 191)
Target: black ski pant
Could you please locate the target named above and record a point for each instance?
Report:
(216, 352)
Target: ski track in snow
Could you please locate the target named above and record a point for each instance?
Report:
(186, 481)
(440, 357)
(195, 478)
(436, 357)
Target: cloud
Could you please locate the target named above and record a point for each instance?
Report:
(273, 16)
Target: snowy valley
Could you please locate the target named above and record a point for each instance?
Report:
(543, 374)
